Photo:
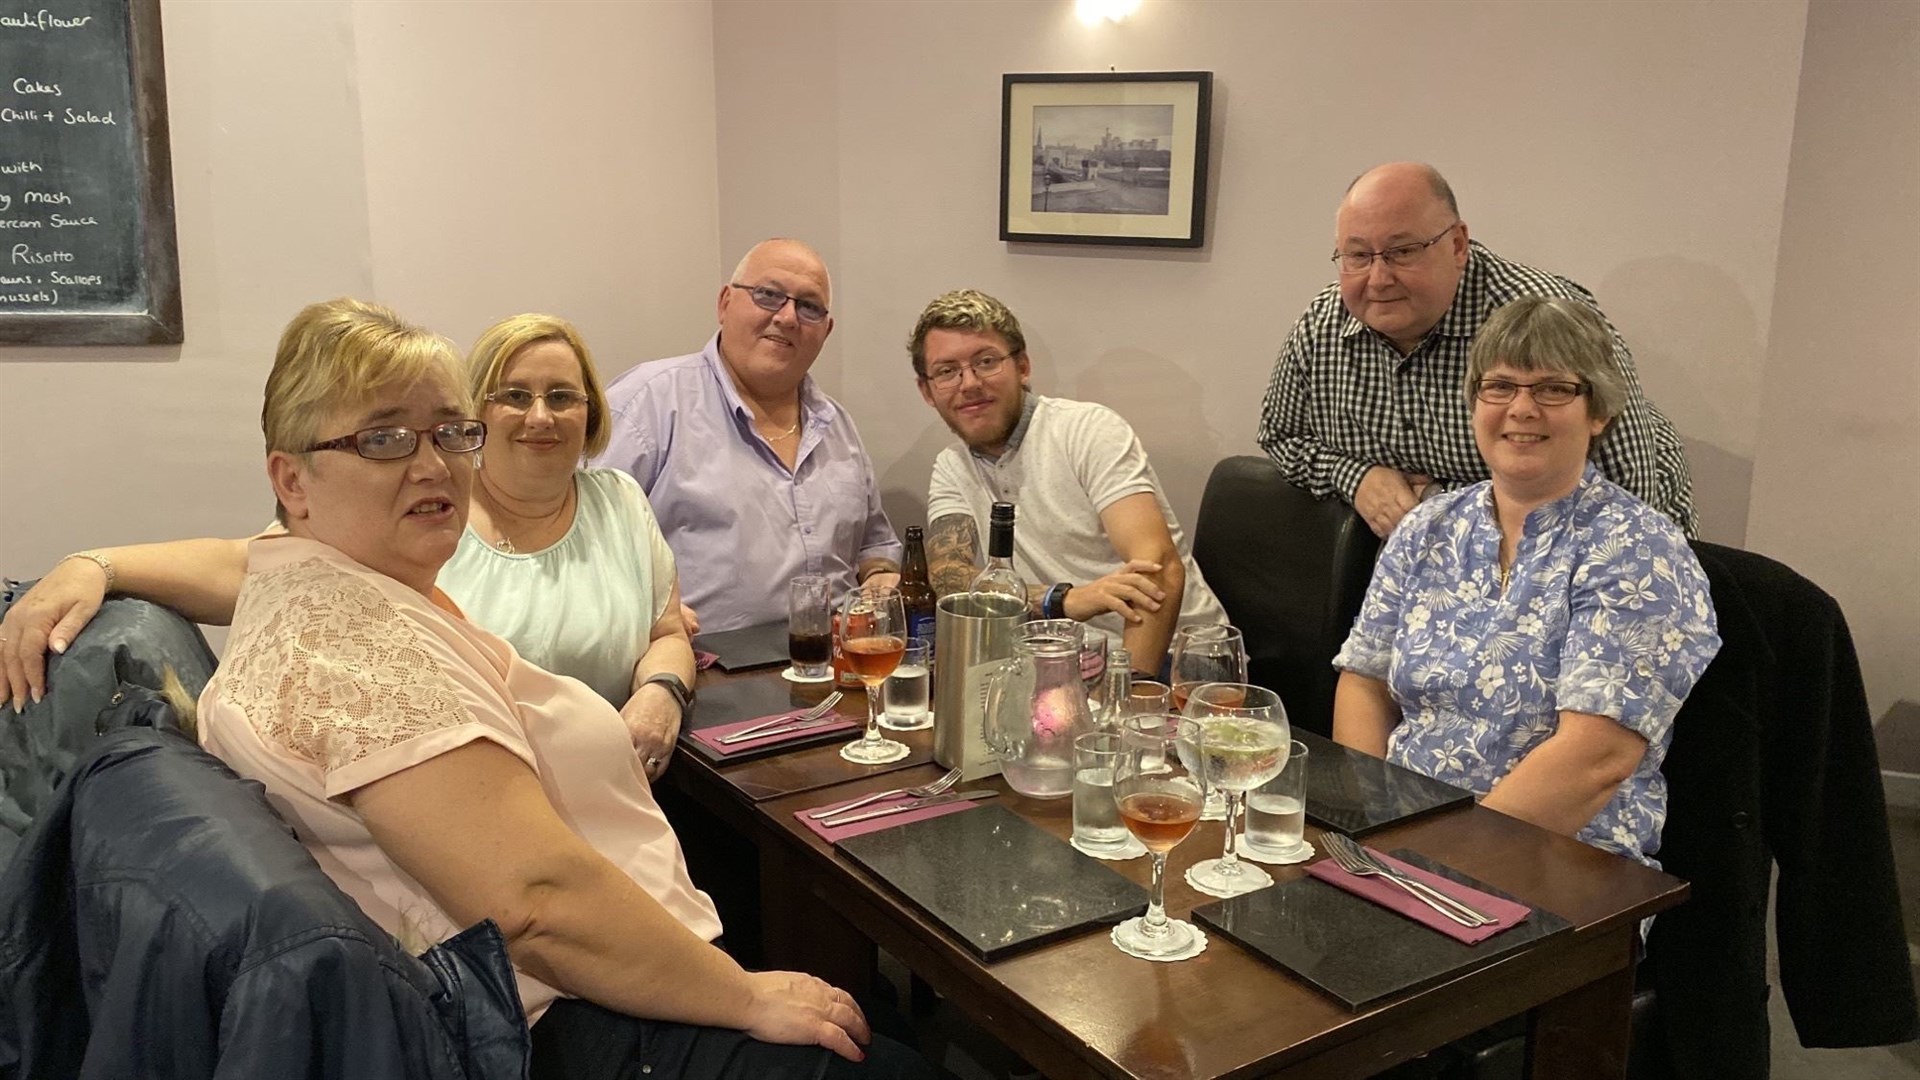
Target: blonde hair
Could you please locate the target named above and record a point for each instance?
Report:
(500, 342)
(343, 352)
(964, 309)
(1551, 334)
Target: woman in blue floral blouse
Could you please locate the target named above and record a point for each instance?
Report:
(1531, 637)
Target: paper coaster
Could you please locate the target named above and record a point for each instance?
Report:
(895, 753)
(1198, 946)
(1210, 891)
(791, 676)
(1132, 849)
(1261, 855)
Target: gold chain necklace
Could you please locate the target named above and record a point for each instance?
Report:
(787, 434)
(504, 544)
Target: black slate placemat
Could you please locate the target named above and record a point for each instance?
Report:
(729, 700)
(746, 648)
(1355, 793)
(1356, 950)
(996, 881)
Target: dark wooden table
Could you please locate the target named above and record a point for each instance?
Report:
(1081, 1008)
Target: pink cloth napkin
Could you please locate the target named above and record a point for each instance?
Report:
(712, 735)
(861, 828)
(1394, 898)
(704, 660)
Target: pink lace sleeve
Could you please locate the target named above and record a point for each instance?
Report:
(325, 666)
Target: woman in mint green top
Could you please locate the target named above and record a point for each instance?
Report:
(564, 562)
(584, 606)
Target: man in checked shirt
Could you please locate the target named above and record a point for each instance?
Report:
(1367, 401)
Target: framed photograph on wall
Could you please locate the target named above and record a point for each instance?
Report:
(1105, 157)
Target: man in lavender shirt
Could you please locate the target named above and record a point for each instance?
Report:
(754, 474)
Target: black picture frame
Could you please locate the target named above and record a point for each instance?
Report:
(1145, 186)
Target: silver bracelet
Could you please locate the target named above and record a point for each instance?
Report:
(99, 560)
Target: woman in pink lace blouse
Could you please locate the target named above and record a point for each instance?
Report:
(439, 778)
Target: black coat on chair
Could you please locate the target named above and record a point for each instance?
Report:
(1773, 763)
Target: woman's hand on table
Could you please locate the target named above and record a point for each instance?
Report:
(796, 1009)
(653, 722)
(49, 616)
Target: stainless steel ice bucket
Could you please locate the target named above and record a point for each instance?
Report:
(973, 634)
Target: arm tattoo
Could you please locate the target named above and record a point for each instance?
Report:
(953, 553)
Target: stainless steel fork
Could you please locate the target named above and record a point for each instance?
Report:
(1356, 861)
(762, 730)
(924, 791)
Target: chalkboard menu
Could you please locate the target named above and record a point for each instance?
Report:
(87, 253)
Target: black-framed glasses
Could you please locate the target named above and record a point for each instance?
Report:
(1359, 262)
(559, 399)
(1550, 392)
(947, 376)
(396, 443)
(768, 298)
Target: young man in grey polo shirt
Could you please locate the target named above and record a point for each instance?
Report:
(1096, 540)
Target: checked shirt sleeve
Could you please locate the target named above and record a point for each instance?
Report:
(1642, 453)
(1287, 432)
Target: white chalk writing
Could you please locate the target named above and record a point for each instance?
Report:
(42, 20)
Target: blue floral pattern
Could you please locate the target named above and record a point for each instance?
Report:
(1606, 611)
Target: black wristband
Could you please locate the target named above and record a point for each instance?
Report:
(681, 695)
(1054, 604)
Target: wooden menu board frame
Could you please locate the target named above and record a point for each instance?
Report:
(158, 319)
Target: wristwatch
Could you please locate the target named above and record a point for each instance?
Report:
(681, 695)
(1054, 604)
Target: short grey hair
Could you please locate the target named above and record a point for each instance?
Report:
(1551, 334)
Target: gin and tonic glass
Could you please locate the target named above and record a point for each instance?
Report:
(1243, 743)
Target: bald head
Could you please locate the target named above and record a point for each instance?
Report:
(1401, 178)
(788, 251)
(1407, 211)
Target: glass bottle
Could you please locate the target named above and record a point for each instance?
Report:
(916, 589)
(1114, 693)
(1000, 576)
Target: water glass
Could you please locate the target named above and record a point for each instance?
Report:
(1096, 817)
(1277, 811)
(904, 696)
(810, 626)
(1148, 697)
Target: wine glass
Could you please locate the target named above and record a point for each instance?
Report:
(1159, 798)
(1243, 743)
(1204, 654)
(873, 635)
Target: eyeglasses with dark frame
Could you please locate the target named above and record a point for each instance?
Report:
(395, 443)
(1547, 393)
(1402, 255)
(948, 376)
(559, 399)
(768, 298)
